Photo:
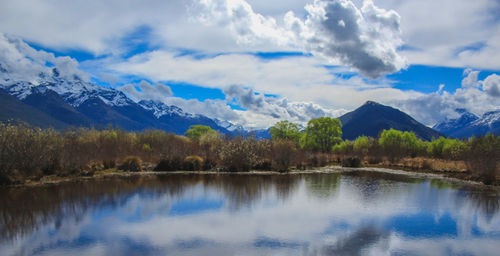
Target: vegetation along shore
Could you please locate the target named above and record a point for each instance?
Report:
(30, 155)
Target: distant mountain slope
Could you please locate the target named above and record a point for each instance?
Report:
(468, 124)
(371, 118)
(16, 110)
(454, 127)
(52, 104)
(73, 102)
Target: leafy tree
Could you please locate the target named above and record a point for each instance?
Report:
(397, 144)
(322, 134)
(454, 149)
(196, 131)
(362, 145)
(391, 142)
(285, 130)
(435, 147)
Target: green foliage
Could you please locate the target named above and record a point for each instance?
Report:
(362, 145)
(397, 144)
(322, 134)
(285, 130)
(454, 149)
(196, 131)
(344, 147)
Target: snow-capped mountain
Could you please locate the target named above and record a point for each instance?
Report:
(74, 91)
(160, 109)
(73, 102)
(468, 124)
(229, 126)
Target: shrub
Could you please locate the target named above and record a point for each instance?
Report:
(351, 162)
(131, 164)
(208, 164)
(283, 154)
(108, 164)
(483, 157)
(193, 163)
(169, 165)
(239, 154)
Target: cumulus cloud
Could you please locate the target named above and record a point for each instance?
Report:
(20, 62)
(211, 108)
(471, 78)
(491, 85)
(146, 91)
(365, 39)
(476, 96)
(277, 108)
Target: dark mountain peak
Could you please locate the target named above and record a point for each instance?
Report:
(372, 103)
(372, 117)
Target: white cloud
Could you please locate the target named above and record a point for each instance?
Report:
(470, 79)
(456, 33)
(434, 107)
(491, 85)
(146, 91)
(20, 62)
(365, 38)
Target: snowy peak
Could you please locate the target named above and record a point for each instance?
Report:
(449, 125)
(160, 109)
(75, 91)
(229, 126)
(489, 119)
(468, 124)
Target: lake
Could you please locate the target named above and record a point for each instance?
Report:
(355, 213)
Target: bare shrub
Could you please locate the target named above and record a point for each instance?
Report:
(239, 154)
(193, 163)
(283, 154)
(131, 164)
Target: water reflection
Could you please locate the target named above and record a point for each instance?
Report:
(358, 213)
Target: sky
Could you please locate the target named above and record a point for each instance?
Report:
(255, 62)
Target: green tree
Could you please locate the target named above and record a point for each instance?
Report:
(362, 145)
(196, 131)
(397, 144)
(454, 149)
(322, 134)
(285, 130)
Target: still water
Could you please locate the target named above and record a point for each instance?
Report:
(362, 213)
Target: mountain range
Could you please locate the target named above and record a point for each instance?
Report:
(62, 102)
(468, 124)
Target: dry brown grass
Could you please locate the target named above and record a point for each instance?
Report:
(431, 164)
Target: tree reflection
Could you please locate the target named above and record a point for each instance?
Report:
(323, 185)
(486, 202)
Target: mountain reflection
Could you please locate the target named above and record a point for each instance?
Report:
(356, 213)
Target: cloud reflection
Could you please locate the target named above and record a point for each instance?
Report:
(320, 214)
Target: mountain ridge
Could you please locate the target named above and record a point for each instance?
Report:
(468, 124)
(372, 117)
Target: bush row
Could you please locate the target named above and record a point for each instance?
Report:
(28, 152)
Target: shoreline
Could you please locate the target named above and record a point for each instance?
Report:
(449, 176)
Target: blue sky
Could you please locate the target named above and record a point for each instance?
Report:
(254, 62)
